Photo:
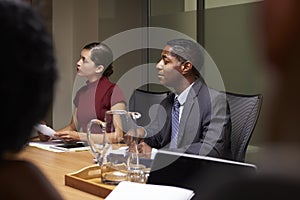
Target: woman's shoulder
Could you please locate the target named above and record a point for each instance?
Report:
(24, 180)
(105, 81)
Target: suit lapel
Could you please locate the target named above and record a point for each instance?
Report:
(168, 126)
(188, 109)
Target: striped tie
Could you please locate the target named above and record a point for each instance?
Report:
(175, 124)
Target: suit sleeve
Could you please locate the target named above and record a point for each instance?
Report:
(155, 130)
(158, 131)
(216, 130)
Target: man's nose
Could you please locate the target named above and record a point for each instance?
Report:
(159, 65)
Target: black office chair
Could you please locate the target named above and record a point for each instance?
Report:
(142, 100)
(245, 110)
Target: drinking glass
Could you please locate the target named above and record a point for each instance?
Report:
(96, 138)
(110, 148)
(138, 165)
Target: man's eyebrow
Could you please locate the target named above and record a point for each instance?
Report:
(164, 56)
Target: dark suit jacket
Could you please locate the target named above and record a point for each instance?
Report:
(205, 124)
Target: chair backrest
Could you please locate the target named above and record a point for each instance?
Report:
(245, 111)
(141, 101)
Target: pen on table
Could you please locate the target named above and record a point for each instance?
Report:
(79, 150)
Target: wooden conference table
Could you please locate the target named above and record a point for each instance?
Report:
(55, 165)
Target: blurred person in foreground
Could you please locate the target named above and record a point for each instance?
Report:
(27, 84)
(279, 161)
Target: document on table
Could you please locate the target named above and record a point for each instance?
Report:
(59, 146)
(137, 191)
(46, 130)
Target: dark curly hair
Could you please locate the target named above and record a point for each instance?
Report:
(28, 73)
(188, 50)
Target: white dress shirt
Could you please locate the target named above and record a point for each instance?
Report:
(182, 98)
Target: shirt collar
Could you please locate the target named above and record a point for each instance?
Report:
(183, 95)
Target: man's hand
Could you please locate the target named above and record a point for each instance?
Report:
(144, 148)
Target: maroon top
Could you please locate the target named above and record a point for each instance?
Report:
(94, 99)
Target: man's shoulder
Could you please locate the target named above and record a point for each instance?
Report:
(205, 90)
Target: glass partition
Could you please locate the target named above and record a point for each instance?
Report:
(184, 16)
(118, 16)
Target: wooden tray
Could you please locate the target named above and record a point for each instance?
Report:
(88, 180)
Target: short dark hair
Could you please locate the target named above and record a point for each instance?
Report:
(91, 45)
(28, 72)
(188, 50)
(101, 54)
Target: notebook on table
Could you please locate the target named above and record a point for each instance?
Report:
(194, 172)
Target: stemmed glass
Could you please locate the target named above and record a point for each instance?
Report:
(111, 147)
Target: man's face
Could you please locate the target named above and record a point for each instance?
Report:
(168, 68)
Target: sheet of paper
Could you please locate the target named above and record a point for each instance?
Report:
(46, 146)
(54, 146)
(137, 191)
(46, 130)
(153, 153)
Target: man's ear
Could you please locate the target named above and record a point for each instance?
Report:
(100, 69)
(186, 67)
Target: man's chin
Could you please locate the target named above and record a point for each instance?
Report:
(161, 81)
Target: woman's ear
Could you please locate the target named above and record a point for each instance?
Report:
(99, 69)
(186, 67)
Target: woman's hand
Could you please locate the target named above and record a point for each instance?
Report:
(67, 136)
(43, 138)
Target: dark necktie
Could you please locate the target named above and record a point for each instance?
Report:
(175, 124)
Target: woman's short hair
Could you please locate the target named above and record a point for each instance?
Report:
(101, 54)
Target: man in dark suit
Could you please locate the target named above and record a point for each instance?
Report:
(195, 118)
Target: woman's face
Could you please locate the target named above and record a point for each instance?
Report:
(86, 67)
